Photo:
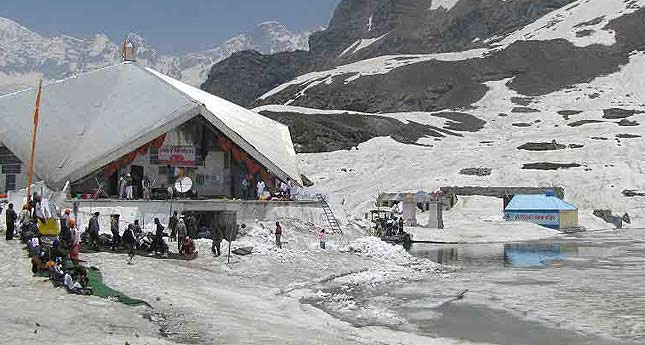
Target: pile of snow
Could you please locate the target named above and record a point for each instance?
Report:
(373, 247)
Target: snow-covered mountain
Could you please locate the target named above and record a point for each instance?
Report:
(541, 92)
(27, 56)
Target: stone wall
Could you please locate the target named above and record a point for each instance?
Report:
(500, 192)
(248, 212)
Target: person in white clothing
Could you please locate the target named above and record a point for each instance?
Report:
(261, 186)
(121, 186)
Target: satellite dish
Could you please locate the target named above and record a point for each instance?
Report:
(183, 184)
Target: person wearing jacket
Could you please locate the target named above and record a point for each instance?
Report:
(114, 228)
(217, 241)
(278, 235)
(158, 242)
(182, 232)
(11, 218)
(128, 238)
(94, 229)
(172, 225)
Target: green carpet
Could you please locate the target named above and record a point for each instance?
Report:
(95, 282)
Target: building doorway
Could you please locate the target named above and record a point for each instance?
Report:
(136, 172)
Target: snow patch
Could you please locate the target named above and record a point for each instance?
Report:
(581, 23)
(360, 45)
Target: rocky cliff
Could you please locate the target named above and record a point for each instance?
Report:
(364, 29)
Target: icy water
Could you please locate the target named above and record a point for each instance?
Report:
(583, 289)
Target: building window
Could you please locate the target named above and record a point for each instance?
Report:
(167, 170)
(10, 183)
(11, 169)
(154, 156)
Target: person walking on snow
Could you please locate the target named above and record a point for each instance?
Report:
(172, 225)
(217, 241)
(182, 232)
(322, 236)
(129, 240)
(11, 218)
(278, 235)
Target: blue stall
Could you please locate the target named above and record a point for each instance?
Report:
(543, 209)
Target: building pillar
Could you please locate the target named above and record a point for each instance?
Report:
(410, 213)
(435, 216)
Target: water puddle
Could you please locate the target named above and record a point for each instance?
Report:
(518, 255)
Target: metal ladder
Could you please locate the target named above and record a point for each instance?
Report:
(329, 214)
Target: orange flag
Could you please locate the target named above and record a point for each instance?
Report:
(30, 173)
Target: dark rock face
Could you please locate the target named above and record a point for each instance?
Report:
(537, 68)
(627, 136)
(630, 193)
(521, 124)
(627, 123)
(409, 28)
(566, 114)
(549, 166)
(524, 101)
(618, 113)
(524, 110)
(476, 171)
(333, 132)
(552, 146)
(247, 75)
(462, 122)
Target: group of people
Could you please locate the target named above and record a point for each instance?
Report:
(283, 190)
(134, 238)
(54, 257)
(126, 187)
(390, 226)
(322, 236)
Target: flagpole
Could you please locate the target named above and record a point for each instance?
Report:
(30, 173)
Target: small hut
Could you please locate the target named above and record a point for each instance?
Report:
(543, 209)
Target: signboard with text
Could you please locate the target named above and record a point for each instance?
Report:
(179, 156)
(550, 218)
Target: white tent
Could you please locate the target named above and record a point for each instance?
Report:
(91, 120)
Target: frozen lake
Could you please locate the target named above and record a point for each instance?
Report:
(581, 289)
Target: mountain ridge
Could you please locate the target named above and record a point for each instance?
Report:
(28, 56)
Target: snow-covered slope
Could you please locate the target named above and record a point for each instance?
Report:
(576, 100)
(27, 56)
(598, 124)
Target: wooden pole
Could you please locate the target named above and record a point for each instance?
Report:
(34, 132)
